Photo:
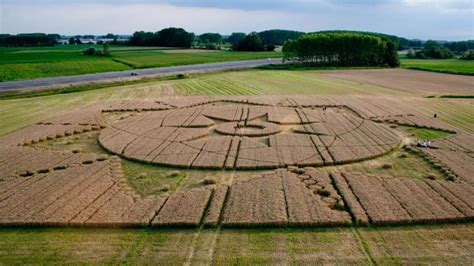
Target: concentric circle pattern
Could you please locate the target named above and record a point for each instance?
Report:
(239, 136)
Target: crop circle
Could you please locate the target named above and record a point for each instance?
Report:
(240, 136)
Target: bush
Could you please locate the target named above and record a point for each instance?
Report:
(173, 174)
(208, 181)
(403, 155)
(323, 192)
(468, 55)
(91, 51)
(270, 48)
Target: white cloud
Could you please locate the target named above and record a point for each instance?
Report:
(100, 18)
(466, 5)
(409, 19)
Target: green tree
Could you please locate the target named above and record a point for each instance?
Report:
(169, 37)
(106, 49)
(391, 55)
(434, 50)
(251, 42)
(278, 37)
(175, 37)
(235, 37)
(340, 49)
(208, 38)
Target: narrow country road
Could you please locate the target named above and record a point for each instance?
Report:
(127, 74)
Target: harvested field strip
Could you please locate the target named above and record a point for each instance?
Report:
(358, 213)
(258, 202)
(306, 208)
(60, 197)
(183, 208)
(213, 213)
(72, 204)
(452, 163)
(465, 193)
(416, 202)
(397, 200)
(454, 199)
(380, 205)
(92, 194)
(26, 196)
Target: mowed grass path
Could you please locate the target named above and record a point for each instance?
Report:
(451, 66)
(63, 60)
(451, 244)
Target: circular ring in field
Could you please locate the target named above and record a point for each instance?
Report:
(255, 129)
(241, 136)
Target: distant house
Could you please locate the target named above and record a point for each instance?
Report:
(88, 41)
(96, 40)
(63, 41)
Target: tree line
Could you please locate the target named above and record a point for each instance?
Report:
(29, 39)
(341, 49)
(178, 37)
(436, 50)
(255, 41)
(400, 42)
(170, 37)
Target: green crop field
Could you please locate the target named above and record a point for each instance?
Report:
(39, 62)
(149, 58)
(452, 66)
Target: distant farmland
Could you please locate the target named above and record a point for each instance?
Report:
(451, 66)
(39, 62)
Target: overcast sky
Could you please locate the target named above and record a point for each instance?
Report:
(422, 19)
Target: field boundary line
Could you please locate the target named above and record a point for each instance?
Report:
(363, 247)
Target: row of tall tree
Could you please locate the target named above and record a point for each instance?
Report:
(341, 49)
(400, 42)
(29, 39)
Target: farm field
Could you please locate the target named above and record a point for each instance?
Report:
(422, 83)
(387, 245)
(452, 66)
(322, 160)
(64, 60)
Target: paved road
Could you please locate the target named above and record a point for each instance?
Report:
(121, 75)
